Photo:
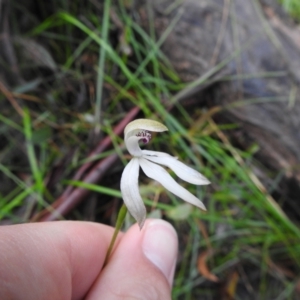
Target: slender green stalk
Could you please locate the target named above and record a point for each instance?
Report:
(120, 221)
(10, 123)
(101, 66)
(31, 153)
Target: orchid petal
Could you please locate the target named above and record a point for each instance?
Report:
(159, 174)
(180, 169)
(156, 153)
(130, 192)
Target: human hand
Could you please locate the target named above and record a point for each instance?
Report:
(64, 260)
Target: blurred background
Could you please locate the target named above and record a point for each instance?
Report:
(222, 75)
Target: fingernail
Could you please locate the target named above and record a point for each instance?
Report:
(160, 245)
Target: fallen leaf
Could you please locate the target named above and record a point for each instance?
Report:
(203, 268)
(36, 53)
(231, 285)
(281, 269)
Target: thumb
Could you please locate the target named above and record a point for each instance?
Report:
(142, 265)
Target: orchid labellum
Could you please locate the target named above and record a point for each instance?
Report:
(140, 131)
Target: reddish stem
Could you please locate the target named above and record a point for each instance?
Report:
(73, 196)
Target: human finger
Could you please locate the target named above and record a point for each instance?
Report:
(54, 260)
(142, 265)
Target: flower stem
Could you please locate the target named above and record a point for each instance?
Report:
(119, 223)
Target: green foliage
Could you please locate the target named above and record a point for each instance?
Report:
(243, 224)
(292, 7)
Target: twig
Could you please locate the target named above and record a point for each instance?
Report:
(63, 205)
(103, 145)
(11, 99)
(222, 33)
(7, 47)
(73, 196)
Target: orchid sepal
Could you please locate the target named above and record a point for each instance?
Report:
(130, 192)
(150, 161)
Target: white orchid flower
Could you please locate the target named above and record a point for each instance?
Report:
(139, 131)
